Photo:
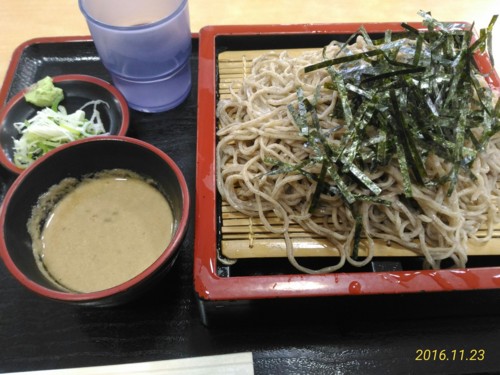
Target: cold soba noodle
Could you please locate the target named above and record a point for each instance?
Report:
(268, 162)
(101, 231)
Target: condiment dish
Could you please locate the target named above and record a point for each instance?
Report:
(78, 90)
(77, 159)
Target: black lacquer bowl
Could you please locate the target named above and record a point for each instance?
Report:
(77, 159)
(78, 89)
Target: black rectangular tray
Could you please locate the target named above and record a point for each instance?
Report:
(369, 335)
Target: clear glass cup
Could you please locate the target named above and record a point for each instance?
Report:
(146, 47)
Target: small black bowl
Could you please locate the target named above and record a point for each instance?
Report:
(78, 90)
(77, 159)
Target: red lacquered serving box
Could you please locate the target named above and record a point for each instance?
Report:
(214, 282)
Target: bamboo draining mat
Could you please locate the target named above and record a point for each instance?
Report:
(244, 237)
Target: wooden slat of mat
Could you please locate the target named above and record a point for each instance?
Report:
(234, 65)
(244, 237)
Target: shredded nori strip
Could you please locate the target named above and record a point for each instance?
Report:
(428, 103)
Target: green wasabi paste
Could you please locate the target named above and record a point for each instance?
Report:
(44, 94)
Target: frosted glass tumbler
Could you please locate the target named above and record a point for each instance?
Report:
(146, 47)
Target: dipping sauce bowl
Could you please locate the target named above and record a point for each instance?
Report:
(74, 160)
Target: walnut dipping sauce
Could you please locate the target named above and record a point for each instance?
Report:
(97, 232)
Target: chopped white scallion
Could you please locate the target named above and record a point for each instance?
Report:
(49, 129)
